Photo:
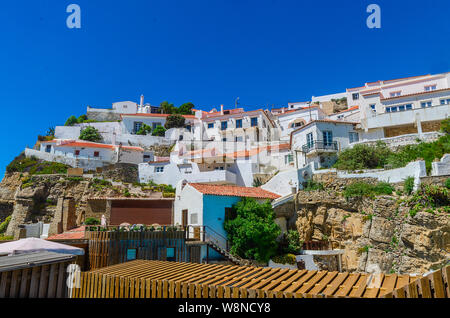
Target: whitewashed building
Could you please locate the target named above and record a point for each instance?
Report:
(321, 140)
(289, 120)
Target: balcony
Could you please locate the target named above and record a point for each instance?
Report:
(214, 176)
(320, 146)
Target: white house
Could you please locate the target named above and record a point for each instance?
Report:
(290, 120)
(321, 140)
(85, 154)
(206, 206)
(412, 105)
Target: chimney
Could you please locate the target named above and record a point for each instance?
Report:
(142, 101)
(221, 109)
(282, 110)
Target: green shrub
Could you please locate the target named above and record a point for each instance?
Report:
(383, 188)
(174, 121)
(75, 179)
(363, 156)
(72, 120)
(311, 185)
(90, 134)
(252, 233)
(144, 130)
(6, 238)
(409, 185)
(168, 195)
(159, 131)
(362, 189)
(285, 259)
(126, 193)
(290, 243)
(4, 224)
(91, 221)
(447, 183)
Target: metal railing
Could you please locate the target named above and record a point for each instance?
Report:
(320, 145)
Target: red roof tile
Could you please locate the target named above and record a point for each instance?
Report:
(234, 191)
(155, 115)
(74, 234)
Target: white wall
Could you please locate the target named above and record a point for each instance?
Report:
(282, 182)
(189, 199)
(442, 167)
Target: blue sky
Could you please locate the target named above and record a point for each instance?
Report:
(205, 52)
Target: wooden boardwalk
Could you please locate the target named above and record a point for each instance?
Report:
(161, 279)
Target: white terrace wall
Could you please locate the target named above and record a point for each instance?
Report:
(397, 141)
(86, 164)
(67, 132)
(415, 169)
(442, 167)
(143, 141)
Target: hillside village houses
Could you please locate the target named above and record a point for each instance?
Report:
(249, 147)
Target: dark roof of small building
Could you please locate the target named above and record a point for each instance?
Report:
(27, 260)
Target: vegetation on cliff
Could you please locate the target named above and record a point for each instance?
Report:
(364, 156)
(33, 165)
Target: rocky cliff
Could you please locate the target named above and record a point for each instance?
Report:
(30, 199)
(378, 234)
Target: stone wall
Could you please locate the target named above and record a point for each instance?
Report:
(378, 235)
(124, 172)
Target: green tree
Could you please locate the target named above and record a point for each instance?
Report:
(186, 109)
(445, 126)
(253, 232)
(51, 131)
(174, 121)
(90, 134)
(167, 108)
(159, 131)
(72, 120)
(82, 119)
(144, 130)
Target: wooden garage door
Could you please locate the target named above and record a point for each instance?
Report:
(141, 212)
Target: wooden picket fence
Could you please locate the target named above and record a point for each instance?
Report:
(434, 285)
(107, 248)
(160, 279)
(47, 281)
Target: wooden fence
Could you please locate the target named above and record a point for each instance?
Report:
(159, 279)
(434, 285)
(46, 281)
(108, 248)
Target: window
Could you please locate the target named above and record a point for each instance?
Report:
(180, 137)
(210, 125)
(353, 136)
(327, 137)
(445, 101)
(401, 108)
(154, 125)
(288, 159)
(425, 104)
(238, 123)
(230, 214)
(170, 254)
(355, 96)
(254, 122)
(194, 218)
(224, 139)
(77, 152)
(309, 140)
(136, 126)
(188, 127)
(223, 125)
(48, 148)
(372, 107)
(430, 88)
(394, 94)
(96, 154)
(219, 168)
(131, 254)
(238, 138)
(408, 106)
(159, 169)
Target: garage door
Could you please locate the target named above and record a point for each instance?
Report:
(141, 212)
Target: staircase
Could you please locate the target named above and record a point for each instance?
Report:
(220, 244)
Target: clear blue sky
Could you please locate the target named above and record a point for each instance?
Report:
(207, 52)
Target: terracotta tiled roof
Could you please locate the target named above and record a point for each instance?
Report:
(234, 191)
(347, 110)
(74, 234)
(416, 94)
(295, 110)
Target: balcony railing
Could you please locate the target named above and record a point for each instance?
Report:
(320, 145)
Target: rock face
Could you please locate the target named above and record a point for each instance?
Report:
(58, 200)
(378, 235)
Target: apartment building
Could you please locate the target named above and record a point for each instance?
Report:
(412, 105)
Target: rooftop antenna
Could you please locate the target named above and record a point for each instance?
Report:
(236, 102)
